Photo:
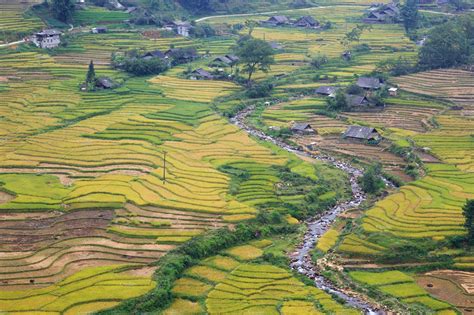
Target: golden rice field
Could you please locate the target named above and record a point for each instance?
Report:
(231, 284)
(91, 153)
(14, 20)
(402, 286)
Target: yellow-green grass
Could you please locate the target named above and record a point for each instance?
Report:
(245, 252)
(328, 240)
(190, 287)
(91, 289)
(354, 245)
(13, 19)
(183, 307)
(400, 285)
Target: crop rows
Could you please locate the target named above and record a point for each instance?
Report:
(231, 284)
(402, 286)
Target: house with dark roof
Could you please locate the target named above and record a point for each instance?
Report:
(303, 129)
(383, 13)
(220, 61)
(154, 54)
(47, 38)
(200, 74)
(369, 83)
(362, 133)
(306, 21)
(277, 20)
(357, 101)
(104, 83)
(224, 61)
(233, 58)
(182, 55)
(326, 90)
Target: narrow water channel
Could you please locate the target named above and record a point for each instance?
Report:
(317, 226)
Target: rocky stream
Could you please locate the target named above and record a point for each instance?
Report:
(301, 258)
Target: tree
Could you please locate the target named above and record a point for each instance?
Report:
(63, 10)
(447, 46)
(410, 15)
(90, 73)
(468, 212)
(90, 77)
(250, 25)
(355, 34)
(339, 102)
(371, 182)
(318, 61)
(255, 54)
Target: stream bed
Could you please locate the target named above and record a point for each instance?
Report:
(301, 258)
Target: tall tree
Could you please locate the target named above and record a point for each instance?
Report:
(410, 15)
(90, 73)
(63, 10)
(255, 54)
(468, 212)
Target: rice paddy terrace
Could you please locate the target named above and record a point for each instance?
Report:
(86, 203)
(87, 206)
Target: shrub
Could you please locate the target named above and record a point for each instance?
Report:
(318, 61)
(259, 90)
(371, 182)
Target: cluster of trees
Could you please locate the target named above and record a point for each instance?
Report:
(63, 10)
(449, 44)
(132, 62)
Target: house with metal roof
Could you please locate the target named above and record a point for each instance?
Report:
(369, 83)
(354, 101)
(326, 90)
(277, 20)
(303, 129)
(307, 22)
(362, 133)
(200, 74)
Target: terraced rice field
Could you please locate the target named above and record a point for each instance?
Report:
(84, 292)
(232, 284)
(13, 19)
(450, 84)
(84, 172)
(402, 286)
(452, 286)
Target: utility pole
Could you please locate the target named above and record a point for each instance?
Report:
(164, 166)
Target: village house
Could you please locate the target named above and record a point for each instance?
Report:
(393, 91)
(104, 83)
(362, 134)
(182, 55)
(303, 129)
(386, 13)
(154, 54)
(368, 83)
(99, 30)
(357, 101)
(200, 74)
(224, 61)
(277, 20)
(326, 90)
(181, 28)
(307, 22)
(47, 38)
